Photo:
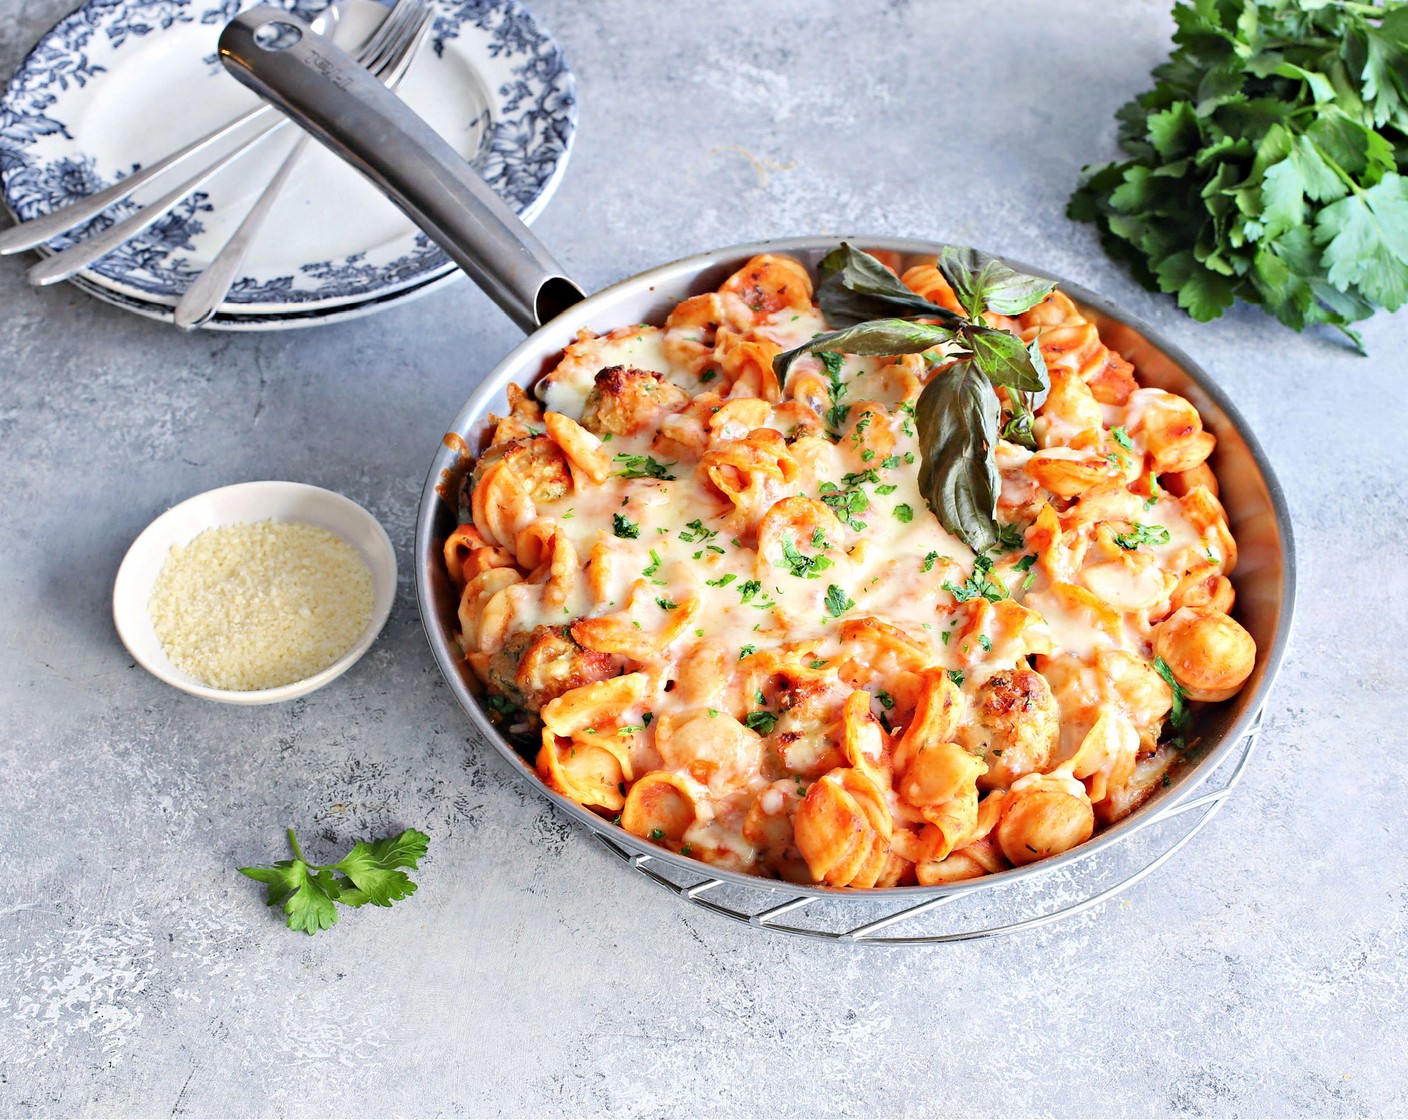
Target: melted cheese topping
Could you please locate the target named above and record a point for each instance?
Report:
(754, 558)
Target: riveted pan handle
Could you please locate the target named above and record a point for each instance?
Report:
(350, 111)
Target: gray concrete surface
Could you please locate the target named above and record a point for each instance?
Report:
(1261, 972)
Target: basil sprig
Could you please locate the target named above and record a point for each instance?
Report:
(959, 414)
(984, 283)
(880, 337)
(856, 288)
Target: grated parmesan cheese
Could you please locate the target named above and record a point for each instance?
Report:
(252, 606)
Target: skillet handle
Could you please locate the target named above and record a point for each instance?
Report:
(350, 111)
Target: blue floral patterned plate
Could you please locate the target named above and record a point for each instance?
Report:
(119, 83)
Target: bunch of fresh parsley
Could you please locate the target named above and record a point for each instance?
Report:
(1264, 164)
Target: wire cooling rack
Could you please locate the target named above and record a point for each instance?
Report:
(963, 911)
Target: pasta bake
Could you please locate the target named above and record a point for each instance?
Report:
(715, 607)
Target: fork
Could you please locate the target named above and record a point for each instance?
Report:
(36, 231)
(199, 302)
(381, 55)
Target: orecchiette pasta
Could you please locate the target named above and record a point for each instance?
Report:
(717, 610)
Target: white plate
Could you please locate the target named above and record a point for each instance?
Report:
(122, 82)
(233, 505)
(293, 319)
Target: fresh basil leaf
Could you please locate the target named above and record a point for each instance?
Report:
(984, 283)
(857, 288)
(881, 337)
(957, 415)
(1004, 358)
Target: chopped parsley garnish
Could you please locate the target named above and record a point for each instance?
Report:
(847, 505)
(666, 604)
(985, 642)
(886, 490)
(956, 676)
(708, 375)
(816, 664)
(833, 361)
(748, 588)
(696, 531)
(723, 581)
(909, 455)
(867, 455)
(1179, 716)
(1025, 565)
(801, 565)
(1142, 534)
(903, 513)
(652, 568)
(1121, 437)
(747, 651)
(837, 601)
(630, 729)
(855, 478)
(978, 584)
(624, 527)
(837, 413)
(761, 721)
(890, 462)
(657, 834)
(501, 705)
(886, 700)
(1153, 499)
(1010, 537)
(644, 466)
(929, 561)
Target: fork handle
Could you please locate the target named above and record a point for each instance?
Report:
(203, 298)
(36, 231)
(79, 256)
(350, 111)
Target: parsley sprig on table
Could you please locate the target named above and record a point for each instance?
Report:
(309, 893)
(1264, 163)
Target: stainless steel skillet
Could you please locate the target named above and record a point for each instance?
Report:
(359, 119)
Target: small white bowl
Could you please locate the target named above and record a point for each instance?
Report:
(233, 505)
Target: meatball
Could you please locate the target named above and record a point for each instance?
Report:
(627, 401)
(1014, 723)
(539, 665)
(537, 462)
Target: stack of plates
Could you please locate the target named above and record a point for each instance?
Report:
(121, 83)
